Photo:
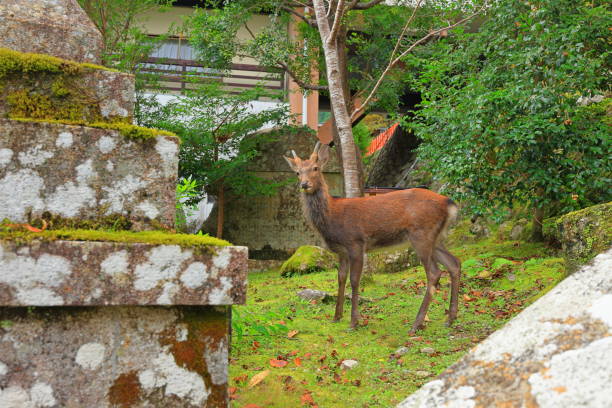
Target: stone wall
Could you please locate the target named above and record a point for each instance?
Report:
(273, 227)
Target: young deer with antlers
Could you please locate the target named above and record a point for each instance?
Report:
(352, 226)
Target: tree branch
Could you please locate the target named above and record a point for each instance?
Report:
(308, 21)
(393, 62)
(297, 80)
(334, 31)
(366, 5)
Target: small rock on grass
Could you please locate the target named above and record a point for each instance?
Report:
(349, 364)
(427, 350)
(422, 373)
(401, 351)
(313, 294)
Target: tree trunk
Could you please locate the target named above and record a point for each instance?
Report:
(537, 234)
(220, 210)
(352, 187)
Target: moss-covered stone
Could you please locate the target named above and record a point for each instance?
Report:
(390, 260)
(582, 234)
(125, 129)
(24, 63)
(308, 259)
(45, 87)
(22, 236)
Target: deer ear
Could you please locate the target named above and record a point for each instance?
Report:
(292, 163)
(323, 155)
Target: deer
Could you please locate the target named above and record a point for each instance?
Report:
(351, 226)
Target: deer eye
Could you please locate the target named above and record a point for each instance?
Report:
(316, 168)
(297, 173)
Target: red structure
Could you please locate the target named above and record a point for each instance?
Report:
(381, 140)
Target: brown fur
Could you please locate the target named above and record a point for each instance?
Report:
(351, 226)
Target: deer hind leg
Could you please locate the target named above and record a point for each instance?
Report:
(433, 276)
(355, 257)
(343, 270)
(452, 264)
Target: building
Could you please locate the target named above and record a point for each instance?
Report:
(176, 57)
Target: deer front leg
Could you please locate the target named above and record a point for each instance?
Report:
(342, 275)
(356, 261)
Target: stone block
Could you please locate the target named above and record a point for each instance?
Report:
(77, 273)
(106, 357)
(55, 27)
(555, 353)
(89, 94)
(390, 260)
(86, 173)
(582, 234)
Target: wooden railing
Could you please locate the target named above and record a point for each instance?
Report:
(178, 75)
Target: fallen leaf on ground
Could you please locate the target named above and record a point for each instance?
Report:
(257, 378)
(307, 399)
(292, 334)
(297, 361)
(278, 363)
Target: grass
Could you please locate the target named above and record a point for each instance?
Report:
(500, 279)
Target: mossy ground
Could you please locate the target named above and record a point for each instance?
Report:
(517, 274)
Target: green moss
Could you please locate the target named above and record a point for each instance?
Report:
(144, 237)
(581, 234)
(128, 131)
(25, 104)
(22, 62)
(307, 259)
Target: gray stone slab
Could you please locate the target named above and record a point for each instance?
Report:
(55, 27)
(86, 173)
(99, 357)
(76, 273)
(556, 353)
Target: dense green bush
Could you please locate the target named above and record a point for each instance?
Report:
(504, 118)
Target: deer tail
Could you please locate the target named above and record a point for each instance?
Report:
(452, 211)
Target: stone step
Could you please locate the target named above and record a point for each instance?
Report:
(42, 87)
(78, 172)
(80, 273)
